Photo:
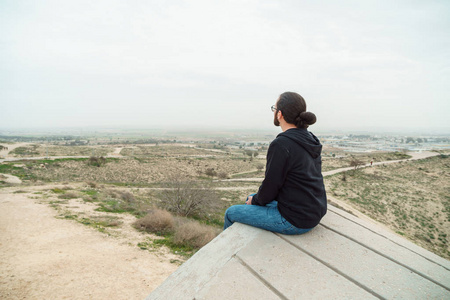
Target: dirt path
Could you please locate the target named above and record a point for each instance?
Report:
(42, 257)
(414, 156)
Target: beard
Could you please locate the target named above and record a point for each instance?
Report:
(275, 120)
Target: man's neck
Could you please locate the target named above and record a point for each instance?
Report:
(285, 126)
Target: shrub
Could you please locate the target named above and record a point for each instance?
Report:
(118, 201)
(251, 153)
(121, 195)
(57, 191)
(68, 195)
(223, 175)
(260, 167)
(186, 198)
(156, 221)
(210, 172)
(194, 234)
(127, 196)
(356, 163)
(92, 184)
(96, 161)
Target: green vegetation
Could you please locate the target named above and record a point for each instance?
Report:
(26, 151)
(181, 235)
(99, 223)
(20, 192)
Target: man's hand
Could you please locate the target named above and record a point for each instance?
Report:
(249, 200)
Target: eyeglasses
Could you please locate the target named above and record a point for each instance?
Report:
(273, 108)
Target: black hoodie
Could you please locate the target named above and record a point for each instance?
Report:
(294, 178)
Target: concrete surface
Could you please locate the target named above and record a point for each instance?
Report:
(342, 258)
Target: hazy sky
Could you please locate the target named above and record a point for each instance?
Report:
(212, 64)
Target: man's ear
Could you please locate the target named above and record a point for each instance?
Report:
(279, 114)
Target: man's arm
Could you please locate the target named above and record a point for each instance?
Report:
(276, 170)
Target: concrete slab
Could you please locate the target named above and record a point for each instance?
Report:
(294, 274)
(235, 281)
(391, 246)
(344, 257)
(371, 271)
(382, 231)
(195, 273)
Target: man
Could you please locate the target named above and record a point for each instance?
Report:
(292, 198)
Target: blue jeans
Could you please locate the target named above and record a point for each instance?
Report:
(265, 217)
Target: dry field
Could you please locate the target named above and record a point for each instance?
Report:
(130, 171)
(412, 198)
(40, 150)
(138, 165)
(165, 151)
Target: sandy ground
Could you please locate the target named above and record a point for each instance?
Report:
(5, 153)
(42, 257)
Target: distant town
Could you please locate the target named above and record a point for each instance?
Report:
(370, 143)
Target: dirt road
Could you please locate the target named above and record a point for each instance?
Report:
(414, 156)
(42, 257)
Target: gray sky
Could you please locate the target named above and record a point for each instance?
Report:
(222, 64)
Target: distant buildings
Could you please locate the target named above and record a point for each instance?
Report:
(370, 143)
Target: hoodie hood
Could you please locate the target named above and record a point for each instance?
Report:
(305, 139)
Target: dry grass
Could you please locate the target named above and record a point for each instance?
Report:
(92, 184)
(132, 171)
(52, 150)
(194, 234)
(412, 198)
(69, 195)
(186, 198)
(156, 221)
(122, 195)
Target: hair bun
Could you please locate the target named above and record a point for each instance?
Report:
(308, 118)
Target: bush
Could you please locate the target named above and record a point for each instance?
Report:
(92, 184)
(121, 195)
(156, 221)
(118, 201)
(223, 175)
(127, 196)
(260, 167)
(68, 195)
(194, 234)
(356, 163)
(251, 153)
(210, 172)
(57, 191)
(96, 161)
(186, 198)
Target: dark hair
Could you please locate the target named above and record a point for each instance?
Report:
(293, 107)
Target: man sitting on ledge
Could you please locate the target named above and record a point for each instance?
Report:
(291, 199)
